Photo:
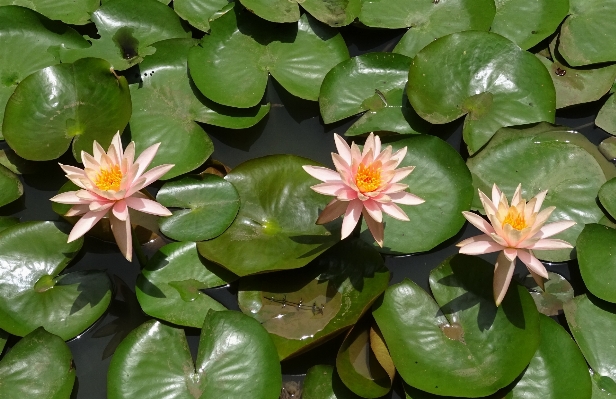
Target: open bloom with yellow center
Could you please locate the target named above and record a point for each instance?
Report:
(110, 184)
(365, 182)
(516, 230)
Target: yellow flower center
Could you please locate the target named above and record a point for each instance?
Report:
(368, 178)
(515, 219)
(109, 179)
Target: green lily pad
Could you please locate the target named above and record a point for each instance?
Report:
(443, 181)
(556, 291)
(275, 227)
(10, 186)
(244, 48)
(36, 39)
(304, 308)
(33, 293)
(462, 344)
(527, 23)
(427, 20)
(74, 12)
(587, 35)
(358, 366)
(7, 221)
(169, 285)
(236, 357)
(40, 366)
(607, 196)
(596, 248)
(3, 337)
(208, 205)
(198, 12)
(545, 157)
(484, 76)
(608, 148)
(592, 323)
(332, 12)
(127, 29)
(89, 103)
(372, 84)
(606, 118)
(323, 382)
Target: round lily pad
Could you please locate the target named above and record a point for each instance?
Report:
(36, 39)
(275, 227)
(462, 344)
(127, 28)
(198, 12)
(40, 366)
(485, 77)
(75, 12)
(236, 356)
(526, 23)
(3, 337)
(89, 103)
(556, 291)
(33, 293)
(606, 118)
(607, 196)
(10, 186)
(443, 181)
(332, 12)
(244, 48)
(587, 35)
(592, 323)
(169, 287)
(208, 205)
(545, 157)
(323, 382)
(608, 149)
(373, 84)
(305, 307)
(596, 247)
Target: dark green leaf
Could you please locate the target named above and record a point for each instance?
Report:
(89, 103)
(606, 118)
(40, 366)
(331, 12)
(275, 228)
(596, 249)
(557, 290)
(322, 382)
(10, 186)
(607, 196)
(198, 12)
(462, 344)
(33, 293)
(608, 148)
(7, 221)
(236, 358)
(75, 12)
(169, 286)
(485, 77)
(3, 337)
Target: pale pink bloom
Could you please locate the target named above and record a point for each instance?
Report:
(110, 184)
(516, 230)
(364, 183)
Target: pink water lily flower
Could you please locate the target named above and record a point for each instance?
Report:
(364, 183)
(516, 230)
(110, 184)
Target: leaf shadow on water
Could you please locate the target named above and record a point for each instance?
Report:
(88, 294)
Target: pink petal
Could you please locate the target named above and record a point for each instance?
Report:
(321, 173)
(503, 271)
(374, 210)
(343, 148)
(332, 211)
(355, 154)
(406, 198)
(478, 222)
(394, 211)
(550, 243)
(399, 156)
(510, 253)
(377, 145)
(488, 205)
(347, 195)
(351, 218)
(148, 178)
(329, 188)
(123, 235)
(384, 156)
(85, 223)
(77, 210)
(481, 237)
(540, 197)
(496, 195)
(554, 228)
(68, 169)
(517, 195)
(147, 206)
(120, 210)
(394, 188)
(129, 156)
(538, 279)
(481, 247)
(369, 146)
(376, 228)
(96, 206)
(115, 149)
(145, 159)
(340, 164)
(89, 162)
(533, 263)
(401, 173)
(69, 197)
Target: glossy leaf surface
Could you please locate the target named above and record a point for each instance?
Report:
(607, 196)
(332, 12)
(198, 12)
(556, 291)
(485, 77)
(606, 118)
(596, 247)
(75, 12)
(323, 382)
(10, 186)
(3, 337)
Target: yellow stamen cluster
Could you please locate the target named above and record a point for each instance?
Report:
(109, 179)
(368, 178)
(515, 219)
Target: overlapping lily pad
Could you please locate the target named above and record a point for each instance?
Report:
(546, 157)
(303, 308)
(587, 35)
(373, 84)
(33, 293)
(169, 287)
(527, 23)
(606, 118)
(10, 186)
(443, 181)
(275, 227)
(555, 292)
(208, 205)
(592, 323)
(485, 77)
(3, 337)
(322, 382)
(462, 344)
(36, 40)
(127, 29)
(236, 356)
(75, 12)
(331, 12)
(243, 48)
(40, 366)
(78, 103)
(596, 248)
(198, 12)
